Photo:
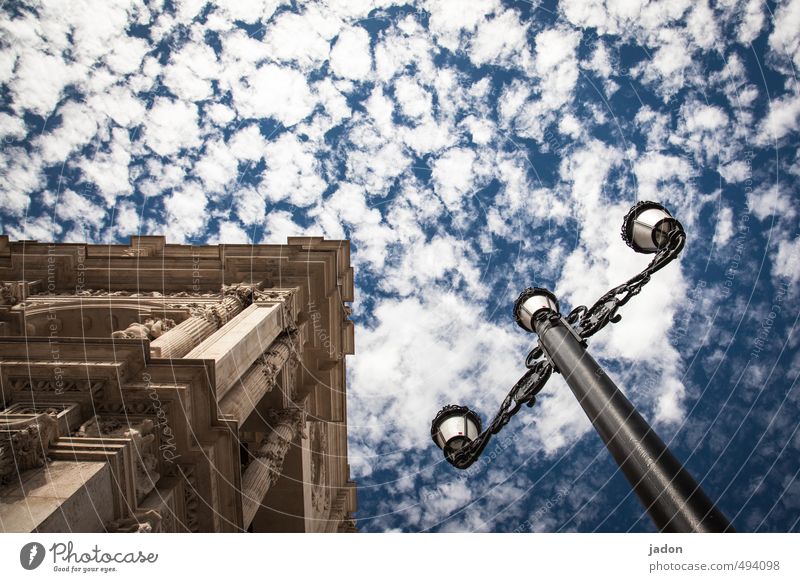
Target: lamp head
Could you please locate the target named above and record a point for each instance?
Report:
(647, 227)
(529, 303)
(454, 427)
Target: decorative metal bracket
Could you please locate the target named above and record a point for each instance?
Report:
(523, 392)
(584, 322)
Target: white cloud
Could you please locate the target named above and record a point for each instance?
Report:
(108, 170)
(600, 61)
(785, 37)
(300, 38)
(414, 100)
(500, 41)
(346, 214)
(752, 21)
(248, 144)
(127, 219)
(249, 12)
(452, 175)
(119, 104)
(186, 214)
(771, 200)
(20, 175)
(171, 126)
(656, 172)
(450, 19)
(351, 56)
(78, 125)
(280, 225)
(449, 353)
(220, 114)
(249, 206)
(71, 206)
(217, 167)
(11, 127)
(377, 167)
(400, 51)
(126, 56)
(42, 228)
(556, 65)
(723, 230)
(786, 260)
(292, 172)
(230, 233)
(277, 92)
(38, 93)
(783, 118)
(190, 71)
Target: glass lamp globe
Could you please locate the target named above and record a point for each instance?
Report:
(454, 427)
(647, 227)
(529, 303)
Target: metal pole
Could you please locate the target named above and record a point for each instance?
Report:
(671, 496)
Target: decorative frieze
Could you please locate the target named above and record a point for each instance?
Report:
(57, 386)
(191, 500)
(318, 442)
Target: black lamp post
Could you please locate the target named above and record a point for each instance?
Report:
(670, 495)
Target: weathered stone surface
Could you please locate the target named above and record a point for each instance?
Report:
(67, 496)
(182, 436)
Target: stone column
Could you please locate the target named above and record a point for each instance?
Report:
(266, 467)
(259, 379)
(182, 338)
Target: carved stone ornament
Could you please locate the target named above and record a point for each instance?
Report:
(24, 444)
(191, 500)
(58, 386)
(148, 521)
(7, 294)
(241, 291)
(124, 293)
(143, 438)
(318, 441)
(150, 329)
(285, 297)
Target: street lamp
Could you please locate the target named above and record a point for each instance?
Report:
(670, 495)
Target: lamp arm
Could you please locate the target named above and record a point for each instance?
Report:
(604, 311)
(523, 392)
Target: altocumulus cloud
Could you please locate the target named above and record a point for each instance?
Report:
(467, 150)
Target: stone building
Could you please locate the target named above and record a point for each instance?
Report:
(175, 388)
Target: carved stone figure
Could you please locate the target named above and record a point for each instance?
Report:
(141, 522)
(150, 329)
(24, 444)
(143, 438)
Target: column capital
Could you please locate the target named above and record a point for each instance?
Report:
(244, 292)
(286, 298)
(292, 417)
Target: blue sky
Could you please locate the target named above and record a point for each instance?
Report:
(468, 150)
